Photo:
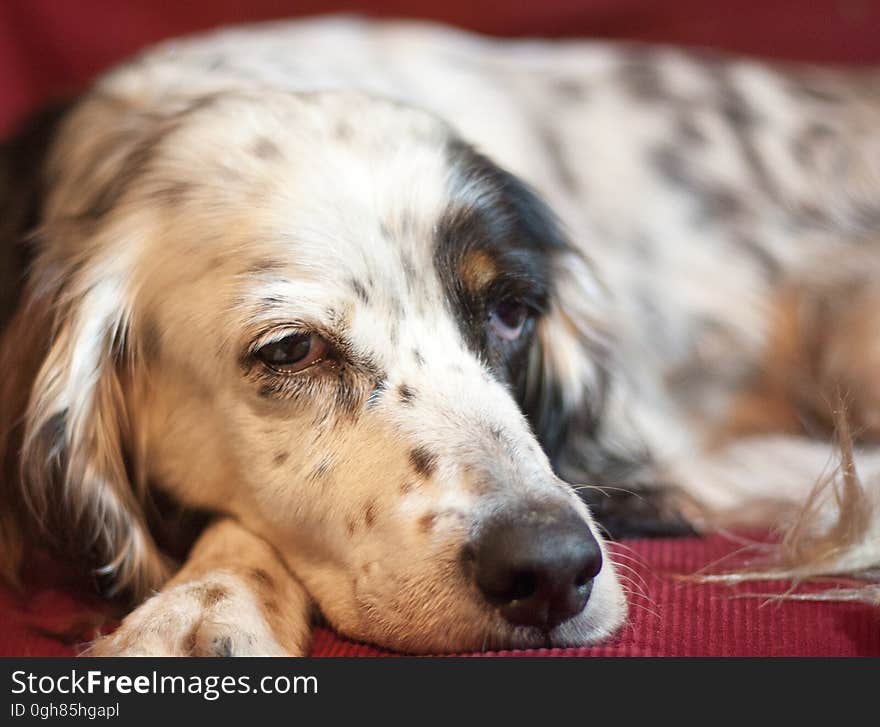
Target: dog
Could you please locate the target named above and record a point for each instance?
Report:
(391, 325)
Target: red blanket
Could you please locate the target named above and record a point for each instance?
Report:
(670, 616)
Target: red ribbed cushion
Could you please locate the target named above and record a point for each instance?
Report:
(673, 617)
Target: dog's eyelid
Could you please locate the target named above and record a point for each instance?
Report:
(537, 301)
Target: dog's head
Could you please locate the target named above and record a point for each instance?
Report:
(326, 316)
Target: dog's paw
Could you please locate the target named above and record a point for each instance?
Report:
(214, 616)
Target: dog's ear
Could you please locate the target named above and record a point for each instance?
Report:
(70, 460)
(81, 465)
(563, 386)
(574, 396)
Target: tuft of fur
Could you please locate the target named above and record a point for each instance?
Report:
(834, 533)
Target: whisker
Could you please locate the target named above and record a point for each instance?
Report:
(634, 572)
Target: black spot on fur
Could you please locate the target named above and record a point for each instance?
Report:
(761, 254)
(266, 149)
(423, 461)
(670, 164)
(343, 131)
(570, 89)
(281, 457)
(222, 646)
(805, 145)
(813, 90)
(557, 156)
(418, 358)
(409, 270)
(360, 291)
(640, 76)
(689, 131)
(742, 120)
(406, 394)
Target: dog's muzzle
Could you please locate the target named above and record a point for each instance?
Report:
(534, 565)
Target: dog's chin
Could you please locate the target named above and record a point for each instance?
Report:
(481, 629)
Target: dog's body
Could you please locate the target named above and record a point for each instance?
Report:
(221, 202)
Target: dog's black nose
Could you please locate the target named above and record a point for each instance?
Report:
(536, 567)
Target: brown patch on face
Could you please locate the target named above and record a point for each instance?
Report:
(406, 487)
(423, 461)
(320, 470)
(280, 457)
(477, 270)
(426, 522)
(261, 577)
(191, 639)
(212, 595)
(263, 266)
(370, 515)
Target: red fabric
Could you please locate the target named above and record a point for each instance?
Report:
(48, 46)
(672, 616)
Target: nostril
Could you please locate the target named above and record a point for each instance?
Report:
(523, 585)
(536, 568)
(590, 569)
(513, 586)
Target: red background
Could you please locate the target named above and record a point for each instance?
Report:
(50, 47)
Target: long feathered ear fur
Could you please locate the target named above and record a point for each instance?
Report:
(80, 460)
(574, 396)
(72, 463)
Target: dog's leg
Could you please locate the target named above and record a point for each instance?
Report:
(233, 597)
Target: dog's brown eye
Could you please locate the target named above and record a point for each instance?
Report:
(294, 352)
(508, 318)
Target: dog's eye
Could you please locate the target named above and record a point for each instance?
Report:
(508, 318)
(293, 353)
